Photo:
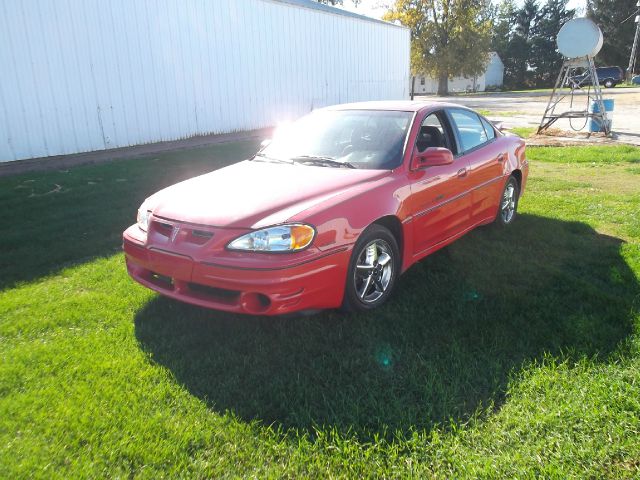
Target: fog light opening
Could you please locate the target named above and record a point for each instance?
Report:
(255, 302)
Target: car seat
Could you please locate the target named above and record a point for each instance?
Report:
(429, 137)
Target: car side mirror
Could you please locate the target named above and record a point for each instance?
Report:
(431, 157)
(265, 142)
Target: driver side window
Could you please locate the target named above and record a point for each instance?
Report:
(432, 133)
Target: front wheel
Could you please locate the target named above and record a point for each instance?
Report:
(609, 83)
(373, 270)
(508, 202)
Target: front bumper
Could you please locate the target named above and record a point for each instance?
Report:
(315, 283)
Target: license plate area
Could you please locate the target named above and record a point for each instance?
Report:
(168, 265)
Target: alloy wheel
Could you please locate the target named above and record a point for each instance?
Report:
(374, 271)
(508, 204)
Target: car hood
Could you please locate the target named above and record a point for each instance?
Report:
(253, 194)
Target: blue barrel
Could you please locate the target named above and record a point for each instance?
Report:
(595, 125)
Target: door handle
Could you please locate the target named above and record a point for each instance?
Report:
(462, 172)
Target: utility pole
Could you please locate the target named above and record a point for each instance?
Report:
(634, 49)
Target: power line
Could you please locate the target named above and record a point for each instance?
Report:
(629, 17)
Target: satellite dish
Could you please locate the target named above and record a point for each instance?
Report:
(579, 37)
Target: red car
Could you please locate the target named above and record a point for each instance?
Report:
(331, 211)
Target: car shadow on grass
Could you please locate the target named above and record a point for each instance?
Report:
(461, 325)
(64, 218)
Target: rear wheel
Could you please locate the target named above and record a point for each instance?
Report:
(508, 203)
(608, 83)
(373, 270)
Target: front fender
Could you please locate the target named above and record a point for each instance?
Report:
(340, 221)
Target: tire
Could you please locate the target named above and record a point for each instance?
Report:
(508, 203)
(369, 280)
(608, 83)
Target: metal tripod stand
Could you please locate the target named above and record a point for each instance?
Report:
(569, 84)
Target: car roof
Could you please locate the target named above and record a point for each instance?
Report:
(397, 105)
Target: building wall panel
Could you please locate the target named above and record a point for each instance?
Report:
(84, 75)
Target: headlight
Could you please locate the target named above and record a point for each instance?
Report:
(283, 238)
(143, 217)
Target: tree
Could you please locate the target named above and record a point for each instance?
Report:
(610, 16)
(525, 39)
(503, 18)
(509, 45)
(512, 40)
(526, 17)
(545, 61)
(522, 41)
(448, 37)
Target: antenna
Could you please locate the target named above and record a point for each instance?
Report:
(579, 40)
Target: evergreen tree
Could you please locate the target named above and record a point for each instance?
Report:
(525, 39)
(544, 60)
(503, 17)
(521, 43)
(610, 16)
(509, 44)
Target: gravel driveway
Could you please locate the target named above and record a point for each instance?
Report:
(526, 109)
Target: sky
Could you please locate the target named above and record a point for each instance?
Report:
(376, 8)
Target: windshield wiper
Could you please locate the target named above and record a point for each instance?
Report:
(320, 160)
(261, 157)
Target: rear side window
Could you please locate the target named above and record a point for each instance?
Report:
(470, 130)
(488, 128)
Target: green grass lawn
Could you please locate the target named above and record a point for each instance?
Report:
(511, 353)
(498, 92)
(524, 132)
(543, 90)
(499, 113)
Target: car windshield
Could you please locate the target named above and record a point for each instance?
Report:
(366, 139)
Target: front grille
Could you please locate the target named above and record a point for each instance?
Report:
(161, 280)
(197, 236)
(220, 295)
(213, 291)
(201, 234)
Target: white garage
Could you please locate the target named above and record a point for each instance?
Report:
(493, 76)
(94, 75)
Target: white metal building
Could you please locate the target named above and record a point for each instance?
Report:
(84, 75)
(493, 76)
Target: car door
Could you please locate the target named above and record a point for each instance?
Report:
(438, 201)
(485, 157)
